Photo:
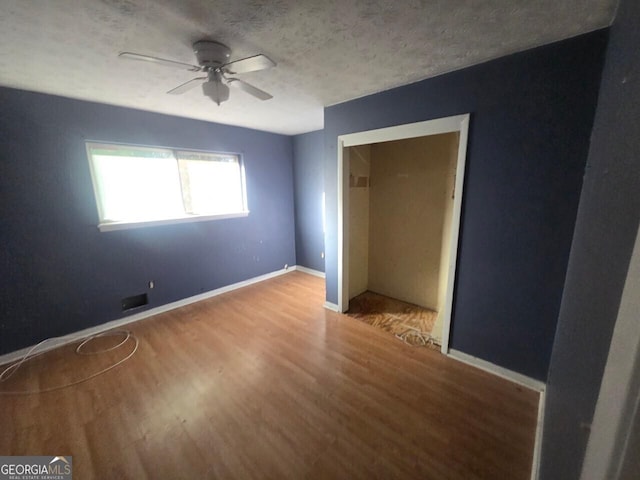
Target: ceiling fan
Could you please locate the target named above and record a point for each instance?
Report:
(213, 60)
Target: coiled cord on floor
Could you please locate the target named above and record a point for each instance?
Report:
(9, 371)
(418, 337)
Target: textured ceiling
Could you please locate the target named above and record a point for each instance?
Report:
(327, 51)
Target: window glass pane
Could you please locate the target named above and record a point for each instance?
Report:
(211, 183)
(145, 184)
(137, 185)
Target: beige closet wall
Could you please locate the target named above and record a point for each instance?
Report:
(359, 160)
(408, 198)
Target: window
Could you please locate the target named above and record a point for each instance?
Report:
(141, 186)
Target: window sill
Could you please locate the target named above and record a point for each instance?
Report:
(111, 226)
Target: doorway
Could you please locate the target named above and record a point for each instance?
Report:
(399, 201)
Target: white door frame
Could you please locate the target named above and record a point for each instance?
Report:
(618, 406)
(458, 123)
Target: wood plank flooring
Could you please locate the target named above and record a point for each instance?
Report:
(264, 382)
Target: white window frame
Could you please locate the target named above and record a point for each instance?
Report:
(106, 226)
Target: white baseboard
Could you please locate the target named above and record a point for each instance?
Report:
(310, 271)
(516, 377)
(331, 306)
(72, 337)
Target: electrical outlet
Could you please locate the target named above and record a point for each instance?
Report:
(321, 254)
(151, 284)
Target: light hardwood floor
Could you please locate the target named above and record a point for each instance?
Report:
(264, 382)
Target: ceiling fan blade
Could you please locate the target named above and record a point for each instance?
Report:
(250, 89)
(186, 86)
(159, 61)
(249, 64)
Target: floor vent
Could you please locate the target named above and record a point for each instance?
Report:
(134, 302)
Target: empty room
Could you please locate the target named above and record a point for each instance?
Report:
(203, 203)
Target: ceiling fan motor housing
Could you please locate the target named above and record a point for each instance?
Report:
(211, 54)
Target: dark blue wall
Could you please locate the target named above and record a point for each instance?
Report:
(308, 177)
(532, 114)
(60, 274)
(606, 228)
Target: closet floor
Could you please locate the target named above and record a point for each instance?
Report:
(410, 323)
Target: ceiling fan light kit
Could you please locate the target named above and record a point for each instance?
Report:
(213, 59)
(215, 89)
